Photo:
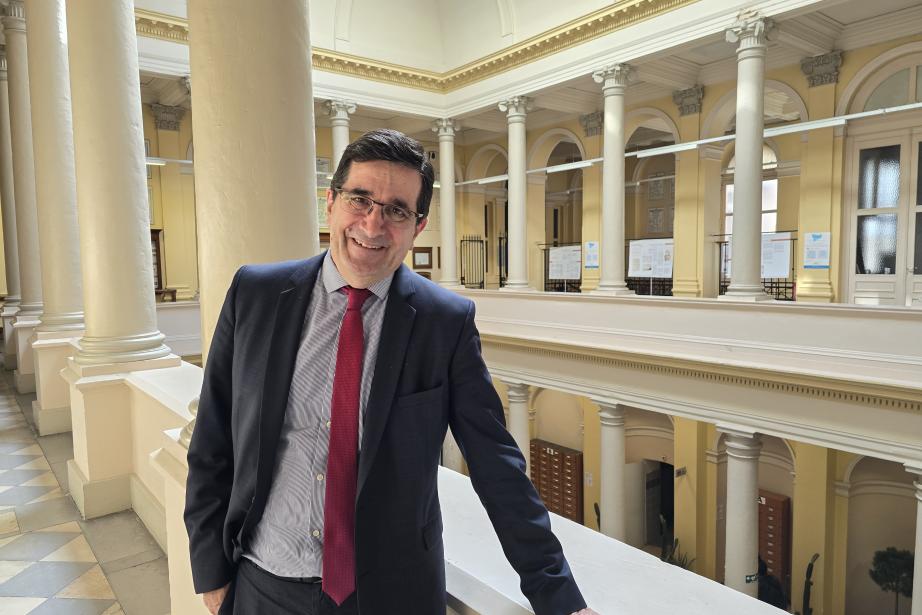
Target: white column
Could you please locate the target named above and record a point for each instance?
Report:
(516, 108)
(8, 203)
(916, 608)
(614, 80)
(56, 197)
(517, 393)
(339, 112)
(252, 144)
(55, 180)
(446, 128)
(612, 500)
(750, 32)
(451, 453)
(742, 542)
(30, 267)
(121, 318)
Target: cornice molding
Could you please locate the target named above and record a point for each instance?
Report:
(576, 32)
(760, 379)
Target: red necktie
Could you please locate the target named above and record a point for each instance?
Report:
(342, 463)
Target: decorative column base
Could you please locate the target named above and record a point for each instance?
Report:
(746, 293)
(9, 340)
(170, 462)
(23, 330)
(100, 473)
(521, 287)
(50, 351)
(686, 288)
(613, 291)
(815, 292)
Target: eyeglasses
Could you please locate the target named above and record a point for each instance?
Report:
(361, 204)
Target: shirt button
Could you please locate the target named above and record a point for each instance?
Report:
(320, 477)
(316, 533)
(329, 423)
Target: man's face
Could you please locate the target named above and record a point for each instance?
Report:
(367, 248)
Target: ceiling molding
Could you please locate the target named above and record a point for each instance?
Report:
(576, 32)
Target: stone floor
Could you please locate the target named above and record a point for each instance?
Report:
(52, 562)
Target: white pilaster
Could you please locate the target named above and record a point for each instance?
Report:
(516, 108)
(446, 127)
(251, 149)
(56, 199)
(451, 453)
(339, 112)
(916, 608)
(8, 203)
(612, 500)
(742, 542)
(750, 32)
(30, 268)
(614, 80)
(517, 393)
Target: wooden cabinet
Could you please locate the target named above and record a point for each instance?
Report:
(557, 472)
(775, 534)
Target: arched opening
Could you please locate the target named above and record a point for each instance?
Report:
(483, 219)
(881, 514)
(649, 480)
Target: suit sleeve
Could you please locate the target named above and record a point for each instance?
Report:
(211, 458)
(497, 470)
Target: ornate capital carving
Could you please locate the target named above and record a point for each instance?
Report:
(340, 109)
(445, 127)
(750, 30)
(186, 84)
(689, 101)
(515, 106)
(614, 75)
(15, 16)
(592, 123)
(516, 392)
(166, 117)
(822, 70)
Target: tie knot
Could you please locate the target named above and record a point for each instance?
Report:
(357, 297)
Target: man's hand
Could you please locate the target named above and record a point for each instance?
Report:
(586, 611)
(215, 598)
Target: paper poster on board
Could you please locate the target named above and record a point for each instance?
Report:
(592, 255)
(816, 250)
(565, 263)
(650, 258)
(776, 255)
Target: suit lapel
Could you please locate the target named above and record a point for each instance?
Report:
(280, 363)
(392, 347)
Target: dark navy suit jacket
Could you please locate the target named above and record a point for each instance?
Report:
(429, 375)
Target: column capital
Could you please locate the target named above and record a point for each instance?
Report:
(751, 30)
(167, 117)
(340, 109)
(822, 69)
(614, 75)
(741, 442)
(14, 17)
(515, 106)
(689, 101)
(517, 392)
(445, 127)
(592, 123)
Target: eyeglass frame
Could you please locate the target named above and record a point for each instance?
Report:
(413, 214)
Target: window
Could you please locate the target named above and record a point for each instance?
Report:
(769, 194)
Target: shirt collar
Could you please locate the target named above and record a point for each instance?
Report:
(333, 279)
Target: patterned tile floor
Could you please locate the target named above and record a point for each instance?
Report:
(51, 561)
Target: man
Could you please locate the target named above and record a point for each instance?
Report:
(328, 390)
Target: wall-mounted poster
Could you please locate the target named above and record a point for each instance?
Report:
(322, 209)
(422, 258)
(324, 173)
(816, 251)
(656, 220)
(592, 255)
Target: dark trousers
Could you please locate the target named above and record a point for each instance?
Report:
(257, 592)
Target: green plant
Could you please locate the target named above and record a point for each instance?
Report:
(673, 556)
(892, 571)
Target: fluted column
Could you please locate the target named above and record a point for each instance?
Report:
(742, 542)
(121, 318)
(750, 32)
(516, 109)
(446, 127)
(8, 203)
(611, 464)
(339, 112)
(55, 181)
(517, 393)
(614, 80)
(916, 608)
(252, 144)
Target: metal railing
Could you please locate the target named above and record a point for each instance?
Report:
(559, 285)
(780, 289)
(473, 262)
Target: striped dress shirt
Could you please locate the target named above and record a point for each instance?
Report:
(288, 540)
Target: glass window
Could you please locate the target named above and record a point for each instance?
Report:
(769, 207)
(876, 252)
(917, 267)
(892, 92)
(879, 177)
